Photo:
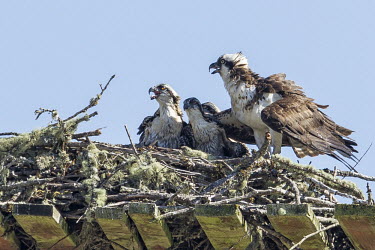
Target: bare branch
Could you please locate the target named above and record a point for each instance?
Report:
(333, 191)
(131, 142)
(246, 163)
(93, 101)
(312, 234)
(294, 187)
(87, 134)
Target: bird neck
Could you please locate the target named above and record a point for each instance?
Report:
(241, 83)
(195, 116)
(169, 109)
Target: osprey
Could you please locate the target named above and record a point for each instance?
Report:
(209, 136)
(279, 106)
(163, 129)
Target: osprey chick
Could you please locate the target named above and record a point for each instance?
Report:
(209, 137)
(279, 106)
(163, 129)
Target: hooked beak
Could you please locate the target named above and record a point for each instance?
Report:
(214, 66)
(155, 91)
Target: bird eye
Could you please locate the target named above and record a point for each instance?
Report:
(162, 88)
(222, 61)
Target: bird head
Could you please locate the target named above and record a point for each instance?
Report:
(226, 63)
(210, 108)
(193, 108)
(192, 103)
(164, 93)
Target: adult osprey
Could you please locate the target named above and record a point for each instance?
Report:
(279, 106)
(209, 136)
(163, 129)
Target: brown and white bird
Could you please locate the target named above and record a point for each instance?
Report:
(279, 106)
(163, 129)
(209, 135)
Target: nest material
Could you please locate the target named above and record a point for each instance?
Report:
(47, 167)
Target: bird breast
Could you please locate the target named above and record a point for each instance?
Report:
(241, 97)
(166, 129)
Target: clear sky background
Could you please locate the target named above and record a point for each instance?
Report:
(54, 54)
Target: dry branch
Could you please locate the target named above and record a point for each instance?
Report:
(312, 234)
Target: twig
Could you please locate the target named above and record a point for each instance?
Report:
(247, 163)
(312, 234)
(174, 213)
(333, 191)
(93, 101)
(63, 238)
(351, 174)
(254, 192)
(294, 187)
(284, 240)
(87, 134)
(362, 157)
(317, 201)
(280, 162)
(118, 168)
(27, 183)
(131, 142)
(121, 203)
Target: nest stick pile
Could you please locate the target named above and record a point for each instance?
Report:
(55, 165)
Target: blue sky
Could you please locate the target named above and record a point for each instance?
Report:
(55, 53)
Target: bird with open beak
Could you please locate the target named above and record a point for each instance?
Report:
(280, 107)
(163, 129)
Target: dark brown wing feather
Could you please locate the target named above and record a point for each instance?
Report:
(187, 136)
(147, 121)
(309, 130)
(234, 129)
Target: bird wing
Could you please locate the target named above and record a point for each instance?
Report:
(187, 136)
(234, 129)
(310, 131)
(233, 148)
(147, 121)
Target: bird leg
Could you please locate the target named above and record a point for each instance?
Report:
(267, 140)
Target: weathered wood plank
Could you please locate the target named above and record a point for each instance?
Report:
(45, 224)
(8, 239)
(296, 221)
(224, 226)
(116, 226)
(155, 233)
(358, 223)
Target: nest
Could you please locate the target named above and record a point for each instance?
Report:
(55, 166)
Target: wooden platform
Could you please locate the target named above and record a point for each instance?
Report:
(116, 226)
(358, 223)
(155, 233)
(45, 224)
(296, 221)
(224, 226)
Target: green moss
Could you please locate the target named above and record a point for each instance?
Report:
(147, 173)
(54, 135)
(326, 178)
(196, 153)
